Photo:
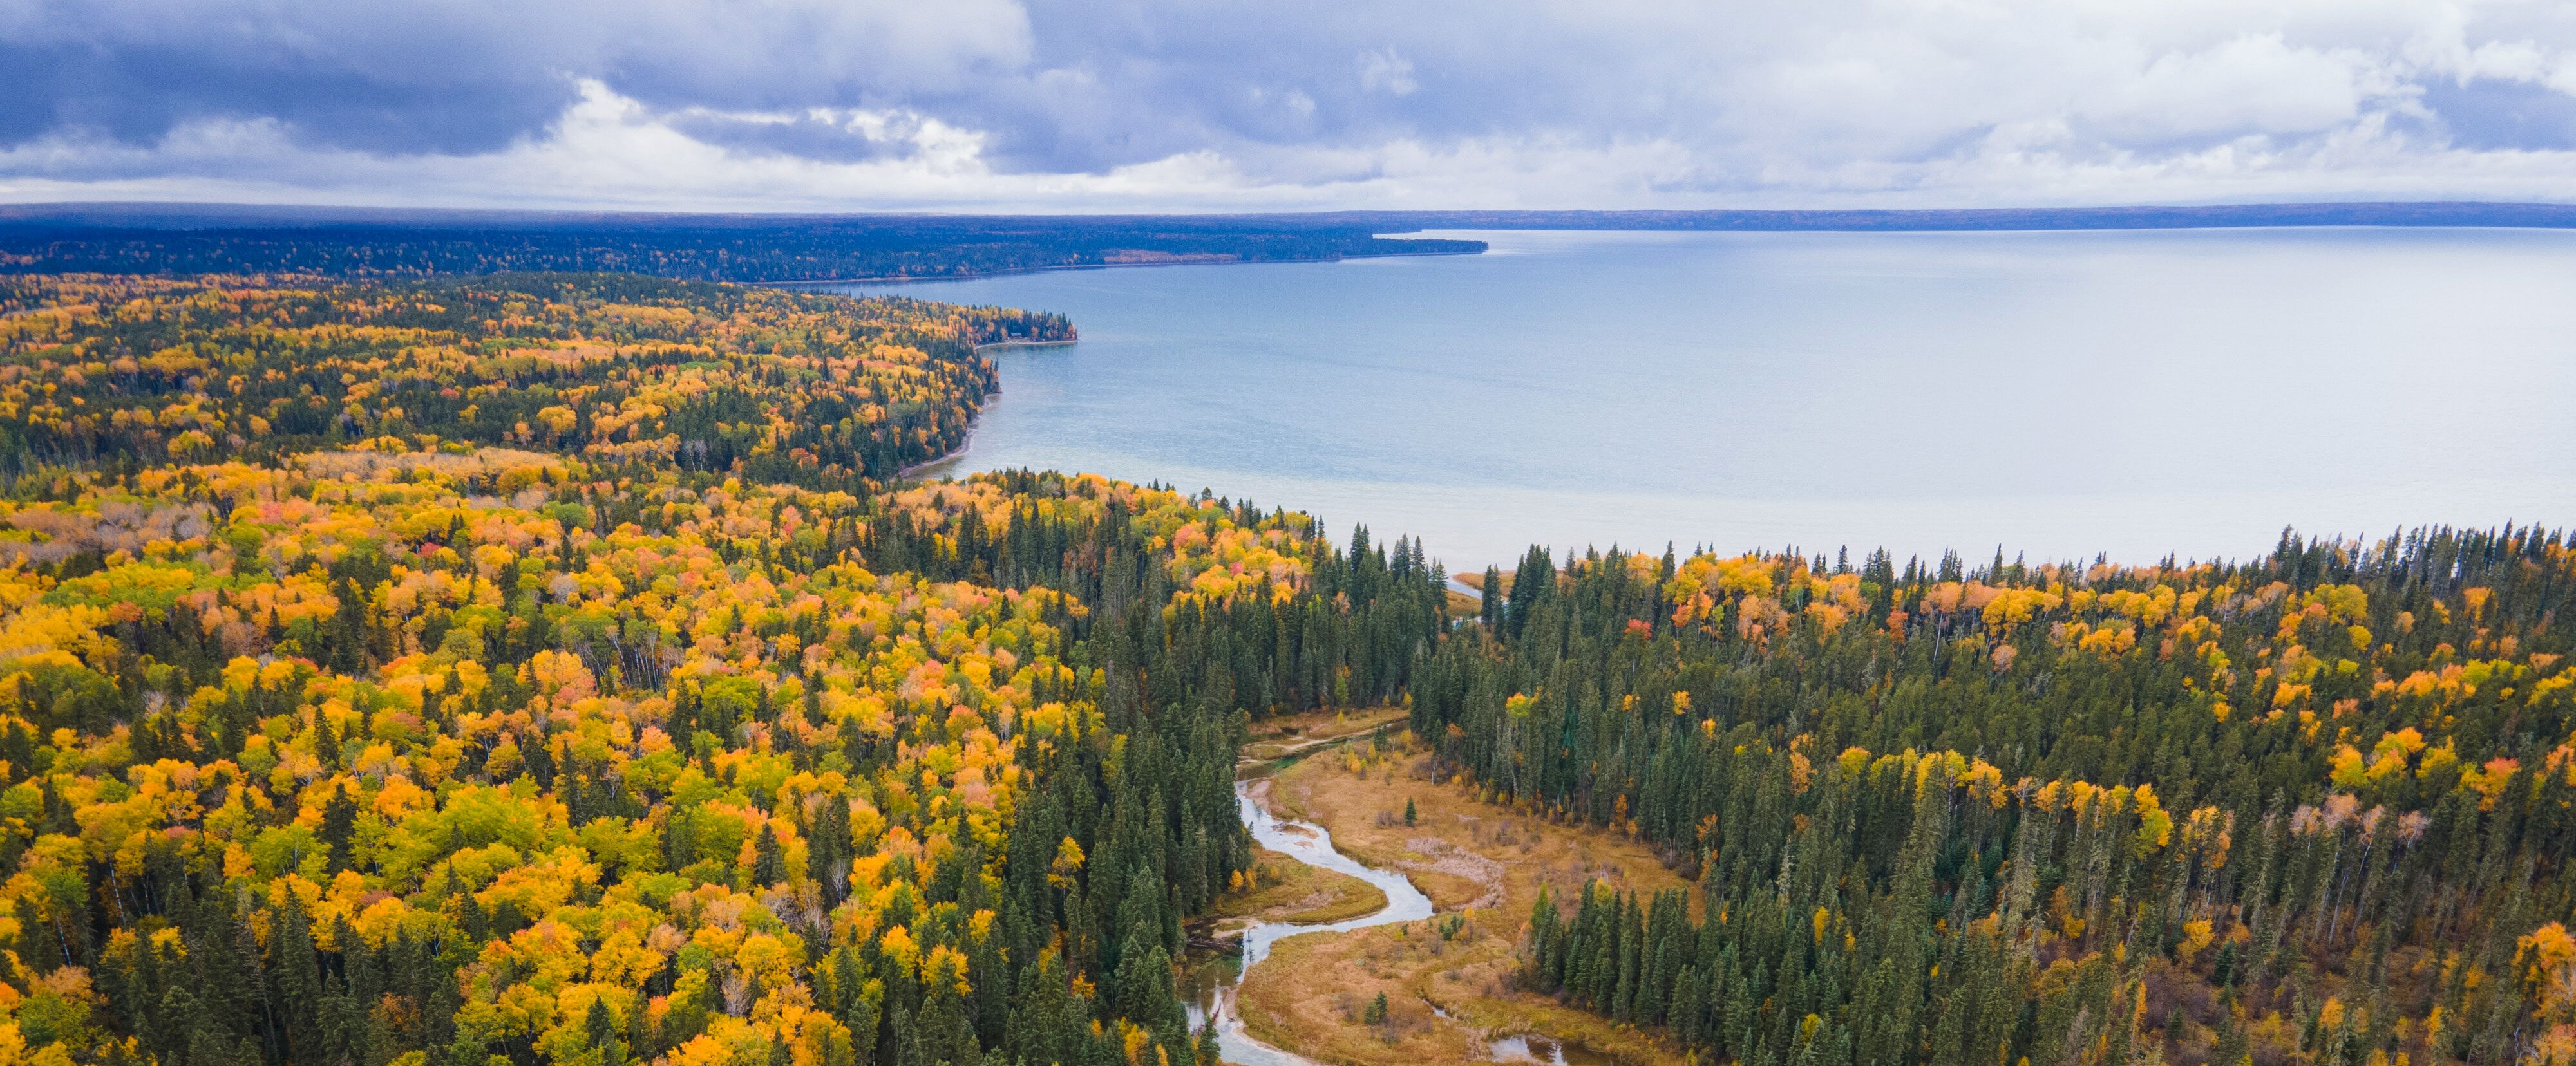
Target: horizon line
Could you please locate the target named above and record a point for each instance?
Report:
(194, 215)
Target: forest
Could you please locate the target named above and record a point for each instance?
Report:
(2312, 808)
(136, 239)
(557, 668)
(350, 713)
(628, 371)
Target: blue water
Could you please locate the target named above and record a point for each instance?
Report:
(2059, 394)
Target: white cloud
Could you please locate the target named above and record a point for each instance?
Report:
(1147, 104)
(2247, 85)
(1383, 71)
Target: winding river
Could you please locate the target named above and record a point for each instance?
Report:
(1308, 843)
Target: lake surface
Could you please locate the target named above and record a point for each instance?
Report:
(2059, 394)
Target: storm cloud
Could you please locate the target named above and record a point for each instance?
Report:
(1033, 104)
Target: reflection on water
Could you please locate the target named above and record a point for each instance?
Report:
(1539, 1049)
(2136, 393)
(1210, 984)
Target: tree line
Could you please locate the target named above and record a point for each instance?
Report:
(746, 248)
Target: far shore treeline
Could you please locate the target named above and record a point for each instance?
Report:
(178, 241)
(184, 239)
(554, 669)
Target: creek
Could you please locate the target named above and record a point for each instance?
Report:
(1213, 984)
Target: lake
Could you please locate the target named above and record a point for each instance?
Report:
(2135, 393)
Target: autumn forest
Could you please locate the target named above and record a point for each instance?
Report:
(539, 668)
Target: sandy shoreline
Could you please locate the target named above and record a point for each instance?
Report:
(969, 442)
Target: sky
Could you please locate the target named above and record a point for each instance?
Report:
(1196, 105)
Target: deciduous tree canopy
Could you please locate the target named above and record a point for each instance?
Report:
(552, 680)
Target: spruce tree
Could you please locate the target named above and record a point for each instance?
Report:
(769, 863)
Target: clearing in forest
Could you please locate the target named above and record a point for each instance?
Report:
(1447, 980)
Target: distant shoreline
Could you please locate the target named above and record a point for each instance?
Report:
(201, 217)
(814, 251)
(905, 279)
(2387, 215)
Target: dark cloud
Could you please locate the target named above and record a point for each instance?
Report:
(461, 76)
(1117, 83)
(1065, 87)
(139, 95)
(828, 137)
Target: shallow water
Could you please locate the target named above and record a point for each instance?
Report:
(2130, 393)
(1544, 1052)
